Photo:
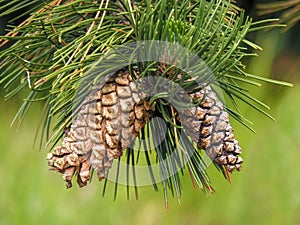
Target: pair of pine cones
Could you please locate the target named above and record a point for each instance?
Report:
(112, 116)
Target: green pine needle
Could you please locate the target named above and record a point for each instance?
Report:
(60, 41)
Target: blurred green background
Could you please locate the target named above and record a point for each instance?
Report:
(264, 192)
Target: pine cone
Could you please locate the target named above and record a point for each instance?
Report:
(208, 125)
(109, 119)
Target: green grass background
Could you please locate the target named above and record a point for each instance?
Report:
(266, 191)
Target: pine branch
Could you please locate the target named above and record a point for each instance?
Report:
(290, 11)
(61, 40)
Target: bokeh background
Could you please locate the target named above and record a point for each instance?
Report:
(266, 191)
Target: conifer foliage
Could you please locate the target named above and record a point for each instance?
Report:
(54, 48)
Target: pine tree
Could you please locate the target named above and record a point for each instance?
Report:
(55, 47)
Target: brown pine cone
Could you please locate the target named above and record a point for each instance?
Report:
(109, 119)
(208, 125)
